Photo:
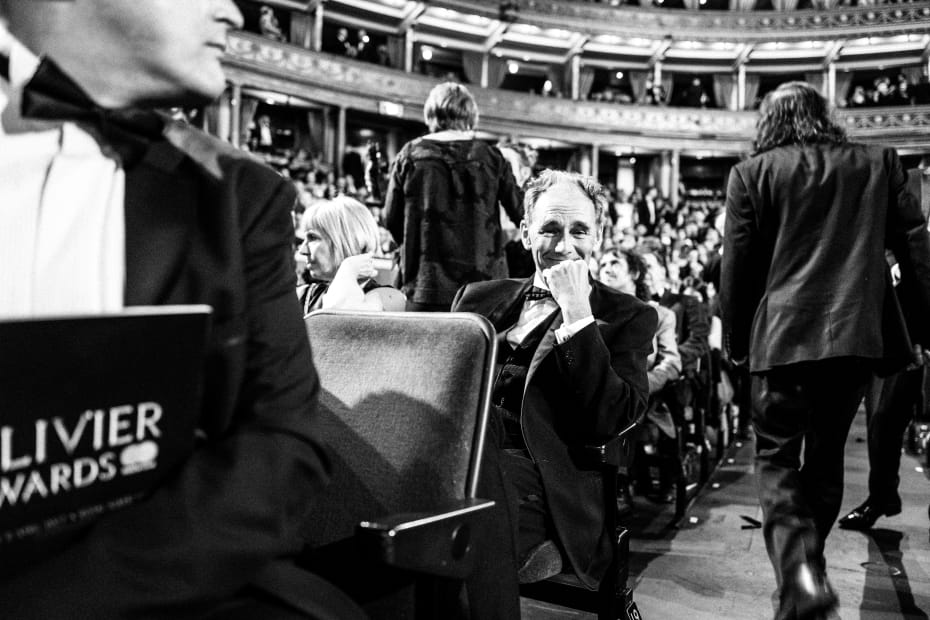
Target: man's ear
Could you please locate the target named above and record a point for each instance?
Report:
(525, 234)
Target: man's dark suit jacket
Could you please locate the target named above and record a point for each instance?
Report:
(585, 389)
(205, 224)
(804, 276)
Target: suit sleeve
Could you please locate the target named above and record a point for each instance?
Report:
(737, 303)
(239, 500)
(909, 240)
(607, 376)
(696, 344)
(668, 367)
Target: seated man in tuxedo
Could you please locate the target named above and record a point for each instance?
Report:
(572, 370)
(101, 210)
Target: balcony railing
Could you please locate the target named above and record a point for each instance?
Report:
(839, 22)
(339, 81)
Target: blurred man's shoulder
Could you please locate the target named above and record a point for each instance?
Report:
(215, 156)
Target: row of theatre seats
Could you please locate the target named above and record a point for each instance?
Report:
(405, 399)
(705, 410)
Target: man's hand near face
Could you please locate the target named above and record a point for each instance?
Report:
(570, 284)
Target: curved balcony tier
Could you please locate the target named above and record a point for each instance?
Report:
(337, 81)
(656, 23)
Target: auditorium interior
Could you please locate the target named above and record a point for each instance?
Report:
(651, 94)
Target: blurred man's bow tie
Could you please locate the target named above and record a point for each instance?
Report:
(536, 293)
(51, 95)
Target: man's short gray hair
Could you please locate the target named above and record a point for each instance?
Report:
(550, 178)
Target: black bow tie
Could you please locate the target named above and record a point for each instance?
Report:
(536, 293)
(52, 95)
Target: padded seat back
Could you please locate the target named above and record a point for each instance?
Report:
(403, 404)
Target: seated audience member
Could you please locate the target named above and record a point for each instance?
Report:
(572, 361)
(691, 315)
(340, 238)
(268, 24)
(158, 213)
(625, 271)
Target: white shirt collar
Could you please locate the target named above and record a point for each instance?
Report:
(23, 64)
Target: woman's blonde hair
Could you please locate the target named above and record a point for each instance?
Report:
(346, 224)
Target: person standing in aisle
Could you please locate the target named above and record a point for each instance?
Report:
(807, 303)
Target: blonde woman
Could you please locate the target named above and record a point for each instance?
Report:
(340, 236)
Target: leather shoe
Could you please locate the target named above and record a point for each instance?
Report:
(806, 595)
(865, 516)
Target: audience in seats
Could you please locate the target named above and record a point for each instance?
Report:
(624, 270)
(340, 239)
(443, 203)
(572, 367)
(691, 314)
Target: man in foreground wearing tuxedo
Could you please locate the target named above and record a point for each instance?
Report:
(807, 301)
(102, 210)
(572, 370)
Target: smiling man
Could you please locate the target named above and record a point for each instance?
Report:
(106, 204)
(572, 370)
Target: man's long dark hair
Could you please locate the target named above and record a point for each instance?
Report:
(795, 113)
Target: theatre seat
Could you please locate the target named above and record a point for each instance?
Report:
(403, 405)
(549, 578)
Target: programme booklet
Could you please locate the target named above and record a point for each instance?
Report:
(95, 411)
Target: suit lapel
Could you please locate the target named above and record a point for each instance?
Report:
(507, 309)
(160, 209)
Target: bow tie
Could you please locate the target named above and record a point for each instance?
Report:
(52, 95)
(536, 293)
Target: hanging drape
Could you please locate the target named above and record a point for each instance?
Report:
(497, 71)
(842, 84)
(815, 79)
(554, 74)
(825, 4)
(247, 109)
(638, 85)
(785, 5)
(742, 5)
(667, 81)
(912, 74)
(396, 49)
(471, 64)
(585, 82)
(301, 28)
(752, 90)
(725, 90)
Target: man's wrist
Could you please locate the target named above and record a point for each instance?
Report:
(572, 312)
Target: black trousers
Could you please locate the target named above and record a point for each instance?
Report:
(887, 422)
(806, 407)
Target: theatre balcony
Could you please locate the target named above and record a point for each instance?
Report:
(612, 90)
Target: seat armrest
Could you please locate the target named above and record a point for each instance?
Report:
(437, 543)
(606, 453)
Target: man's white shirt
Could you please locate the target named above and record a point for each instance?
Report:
(62, 225)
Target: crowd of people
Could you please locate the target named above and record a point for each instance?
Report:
(883, 92)
(610, 312)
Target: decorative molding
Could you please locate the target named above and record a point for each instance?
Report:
(683, 24)
(332, 80)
